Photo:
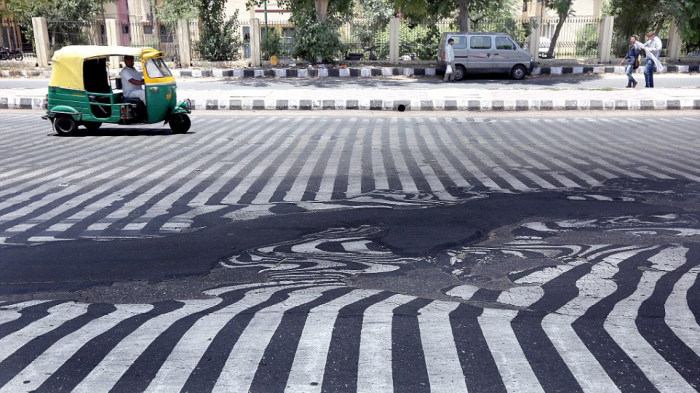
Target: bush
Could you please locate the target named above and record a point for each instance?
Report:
(318, 39)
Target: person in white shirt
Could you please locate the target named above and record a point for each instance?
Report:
(132, 80)
(450, 60)
(654, 47)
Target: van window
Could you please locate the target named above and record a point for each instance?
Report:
(480, 42)
(460, 41)
(504, 43)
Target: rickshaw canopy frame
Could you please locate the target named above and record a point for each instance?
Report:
(67, 68)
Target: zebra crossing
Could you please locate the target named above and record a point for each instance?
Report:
(594, 318)
(140, 181)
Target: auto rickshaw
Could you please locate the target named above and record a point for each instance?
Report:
(82, 93)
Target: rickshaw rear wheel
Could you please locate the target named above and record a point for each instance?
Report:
(92, 125)
(65, 125)
(180, 123)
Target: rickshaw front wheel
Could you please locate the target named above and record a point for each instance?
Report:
(65, 125)
(180, 123)
(92, 125)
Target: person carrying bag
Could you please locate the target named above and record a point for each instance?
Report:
(450, 60)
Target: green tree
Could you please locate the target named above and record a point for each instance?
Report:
(317, 24)
(170, 11)
(375, 17)
(466, 11)
(53, 10)
(638, 17)
(219, 37)
(563, 9)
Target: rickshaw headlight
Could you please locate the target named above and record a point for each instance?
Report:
(188, 104)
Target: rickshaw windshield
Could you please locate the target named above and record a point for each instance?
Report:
(156, 68)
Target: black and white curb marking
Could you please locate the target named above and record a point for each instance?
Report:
(360, 72)
(380, 104)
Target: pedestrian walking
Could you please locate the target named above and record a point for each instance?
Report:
(632, 60)
(653, 47)
(450, 60)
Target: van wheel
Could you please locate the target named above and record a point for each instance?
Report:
(519, 72)
(180, 123)
(65, 125)
(92, 125)
(460, 72)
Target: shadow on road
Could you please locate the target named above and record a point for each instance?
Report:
(122, 131)
(392, 82)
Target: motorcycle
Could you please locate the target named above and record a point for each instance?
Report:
(10, 54)
(359, 56)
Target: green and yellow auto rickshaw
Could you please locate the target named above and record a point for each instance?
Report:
(81, 92)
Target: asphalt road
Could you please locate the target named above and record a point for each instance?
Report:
(397, 83)
(352, 253)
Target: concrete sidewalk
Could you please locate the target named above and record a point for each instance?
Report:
(451, 97)
(361, 72)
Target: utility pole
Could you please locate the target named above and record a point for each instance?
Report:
(104, 23)
(267, 44)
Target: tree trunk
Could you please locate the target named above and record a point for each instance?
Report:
(321, 10)
(555, 37)
(464, 15)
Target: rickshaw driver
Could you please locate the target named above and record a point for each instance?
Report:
(132, 80)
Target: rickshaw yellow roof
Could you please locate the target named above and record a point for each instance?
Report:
(67, 67)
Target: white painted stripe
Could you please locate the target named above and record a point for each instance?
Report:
(163, 205)
(264, 157)
(510, 179)
(465, 291)
(325, 190)
(509, 146)
(355, 171)
(653, 158)
(394, 151)
(281, 171)
(439, 349)
(238, 372)
(473, 169)
(672, 146)
(374, 371)
(381, 181)
(426, 170)
(240, 159)
(544, 134)
(58, 315)
(487, 161)
(13, 312)
(308, 367)
(107, 373)
(296, 192)
(39, 370)
(159, 183)
(437, 152)
(679, 317)
(593, 287)
(510, 360)
(79, 193)
(174, 372)
(621, 326)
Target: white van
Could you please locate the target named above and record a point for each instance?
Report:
(486, 53)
